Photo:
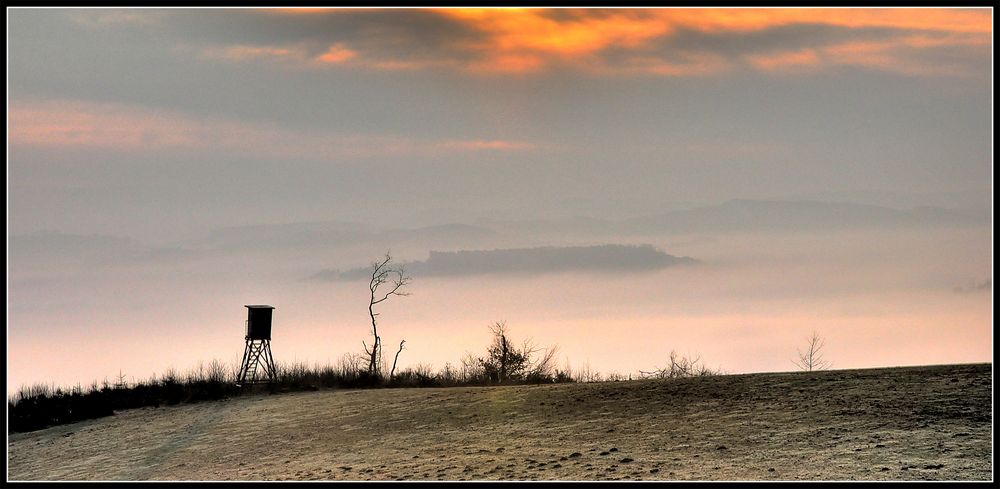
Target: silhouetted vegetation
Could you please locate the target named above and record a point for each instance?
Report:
(681, 366)
(39, 406)
(506, 363)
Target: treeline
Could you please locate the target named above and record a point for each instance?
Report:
(38, 406)
(504, 363)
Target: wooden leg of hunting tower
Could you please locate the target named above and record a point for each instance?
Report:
(271, 368)
(241, 376)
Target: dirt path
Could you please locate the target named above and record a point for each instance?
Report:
(882, 424)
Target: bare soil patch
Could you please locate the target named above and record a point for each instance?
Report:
(913, 423)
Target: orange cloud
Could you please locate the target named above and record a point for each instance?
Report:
(538, 36)
(786, 60)
(507, 64)
(477, 145)
(337, 53)
(518, 41)
(244, 52)
(123, 128)
(82, 125)
(526, 40)
(889, 55)
(532, 30)
(751, 19)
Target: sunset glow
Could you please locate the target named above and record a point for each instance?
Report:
(115, 127)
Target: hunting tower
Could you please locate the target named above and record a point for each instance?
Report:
(257, 354)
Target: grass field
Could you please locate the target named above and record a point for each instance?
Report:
(909, 423)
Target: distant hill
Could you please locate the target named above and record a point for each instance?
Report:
(331, 233)
(733, 215)
(323, 236)
(64, 249)
(768, 215)
(752, 215)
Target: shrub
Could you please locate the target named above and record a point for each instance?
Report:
(681, 366)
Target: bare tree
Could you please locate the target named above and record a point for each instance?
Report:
(504, 360)
(472, 369)
(812, 358)
(121, 381)
(388, 279)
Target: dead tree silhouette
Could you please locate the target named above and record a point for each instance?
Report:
(387, 279)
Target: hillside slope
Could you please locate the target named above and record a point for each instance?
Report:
(874, 424)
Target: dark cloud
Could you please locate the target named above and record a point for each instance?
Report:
(398, 31)
(397, 34)
(531, 261)
(975, 286)
(771, 39)
(161, 63)
(577, 14)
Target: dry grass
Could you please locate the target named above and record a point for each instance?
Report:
(878, 424)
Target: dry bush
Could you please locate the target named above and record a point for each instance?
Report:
(471, 370)
(350, 364)
(681, 366)
(544, 368)
(448, 375)
(587, 374)
(616, 377)
(506, 363)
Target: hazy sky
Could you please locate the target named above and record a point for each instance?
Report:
(167, 166)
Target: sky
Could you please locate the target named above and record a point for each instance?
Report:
(824, 170)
